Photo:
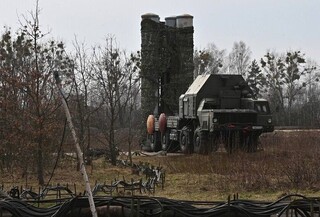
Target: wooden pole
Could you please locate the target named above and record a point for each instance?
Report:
(78, 149)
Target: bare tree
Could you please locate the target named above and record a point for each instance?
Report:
(286, 79)
(239, 59)
(31, 106)
(110, 82)
(82, 80)
(209, 60)
(307, 112)
(131, 69)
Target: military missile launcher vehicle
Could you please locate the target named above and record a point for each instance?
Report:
(217, 110)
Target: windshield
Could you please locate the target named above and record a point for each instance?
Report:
(262, 107)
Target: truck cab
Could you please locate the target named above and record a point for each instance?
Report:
(264, 116)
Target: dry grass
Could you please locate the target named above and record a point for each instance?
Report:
(288, 163)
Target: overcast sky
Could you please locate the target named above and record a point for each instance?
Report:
(278, 25)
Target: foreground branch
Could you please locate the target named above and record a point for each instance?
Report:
(78, 149)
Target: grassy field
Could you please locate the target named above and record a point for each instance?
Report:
(287, 162)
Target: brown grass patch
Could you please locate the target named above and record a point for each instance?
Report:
(288, 163)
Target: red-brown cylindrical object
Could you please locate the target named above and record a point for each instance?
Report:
(162, 123)
(150, 124)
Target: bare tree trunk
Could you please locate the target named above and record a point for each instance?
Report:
(40, 164)
(78, 149)
(130, 135)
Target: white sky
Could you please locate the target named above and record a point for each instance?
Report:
(279, 25)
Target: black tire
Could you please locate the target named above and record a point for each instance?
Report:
(213, 142)
(245, 142)
(229, 141)
(184, 142)
(165, 141)
(200, 142)
(155, 142)
(249, 142)
(253, 142)
(146, 146)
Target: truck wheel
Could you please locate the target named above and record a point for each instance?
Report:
(155, 142)
(250, 142)
(214, 142)
(200, 142)
(165, 144)
(253, 143)
(245, 142)
(229, 141)
(146, 146)
(185, 145)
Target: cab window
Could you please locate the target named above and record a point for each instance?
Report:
(261, 107)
